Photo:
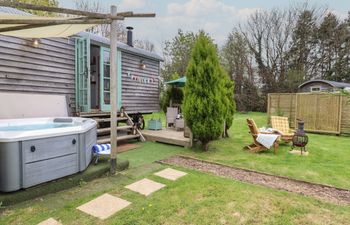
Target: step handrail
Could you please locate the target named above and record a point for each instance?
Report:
(142, 138)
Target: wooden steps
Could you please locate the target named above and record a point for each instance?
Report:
(107, 139)
(103, 120)
(125, 127)
(90, 115)
(108, 129)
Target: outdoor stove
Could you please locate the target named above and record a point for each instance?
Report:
(300, 139)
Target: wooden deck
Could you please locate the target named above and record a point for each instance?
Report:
(167, 136)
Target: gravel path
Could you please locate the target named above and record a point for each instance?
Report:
(322, 192)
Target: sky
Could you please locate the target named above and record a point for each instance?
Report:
(216, 17)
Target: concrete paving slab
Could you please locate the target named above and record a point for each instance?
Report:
(50, 221)
(170, 174)
(145, 186)
(104, 206)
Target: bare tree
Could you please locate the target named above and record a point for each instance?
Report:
(268, 35)
(144, 44)
(103, 29)
(239, 64)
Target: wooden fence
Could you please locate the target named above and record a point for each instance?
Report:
(322, 112)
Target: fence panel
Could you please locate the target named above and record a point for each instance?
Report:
(282, 104)
(320, 112)
(345, 116)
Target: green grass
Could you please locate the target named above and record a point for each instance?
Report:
(201, 198)
(149, 152)
(327, 162)
(197, 198)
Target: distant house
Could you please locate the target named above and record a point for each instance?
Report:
(322, 86)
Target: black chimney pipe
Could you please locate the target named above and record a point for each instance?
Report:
(129, 36)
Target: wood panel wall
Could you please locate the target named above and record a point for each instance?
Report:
(136, 96)
(48, 69)
(285, 104)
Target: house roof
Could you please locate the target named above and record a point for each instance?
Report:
(122, 46)
(94, 37)
(332, 83)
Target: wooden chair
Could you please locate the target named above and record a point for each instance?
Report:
(171, 114)
(256, 146)
(281, 124)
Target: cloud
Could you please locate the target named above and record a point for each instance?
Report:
(246, 12)
(132, 4)
(216, 17)
(200, 7)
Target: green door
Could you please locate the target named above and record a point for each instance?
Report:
(105, 80)
(82, 74)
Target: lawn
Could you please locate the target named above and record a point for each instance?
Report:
(327, 163)
(197, 198)
(201, 198)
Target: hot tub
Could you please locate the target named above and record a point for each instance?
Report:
(33, 151)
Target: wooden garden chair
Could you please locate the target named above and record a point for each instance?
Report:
(281, 124)
(256, 146)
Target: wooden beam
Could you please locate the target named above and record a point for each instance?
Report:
(53, 9)
(21, 27)
(141, 15)
(94, 15)
(55, 21)
(113, 90)
(31, 26)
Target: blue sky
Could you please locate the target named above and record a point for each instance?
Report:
(217, 17)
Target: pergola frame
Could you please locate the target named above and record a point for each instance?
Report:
(87, 18)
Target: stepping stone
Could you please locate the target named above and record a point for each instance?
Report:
(170, 174)
(145, 186)
(50, 221)
(104, 206)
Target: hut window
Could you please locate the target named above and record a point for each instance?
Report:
(315, 88)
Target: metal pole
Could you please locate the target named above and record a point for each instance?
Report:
(113, 93)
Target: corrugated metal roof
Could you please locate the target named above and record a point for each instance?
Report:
(122, 46)
(10, 10)
(332, 83)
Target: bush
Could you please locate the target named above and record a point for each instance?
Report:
(171, 93)
(175, 94)
(203, 106)
(229, 102)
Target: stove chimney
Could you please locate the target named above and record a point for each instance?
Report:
(129, 36)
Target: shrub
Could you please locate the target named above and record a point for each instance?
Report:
(203, 105)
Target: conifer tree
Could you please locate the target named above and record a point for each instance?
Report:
(203, 105)
(229, 103)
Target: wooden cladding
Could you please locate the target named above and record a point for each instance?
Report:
(139, 96)
(48, 68)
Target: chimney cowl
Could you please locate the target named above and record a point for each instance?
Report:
(129, 39)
